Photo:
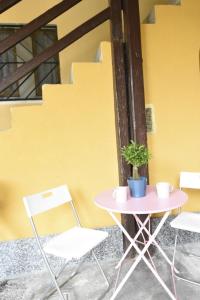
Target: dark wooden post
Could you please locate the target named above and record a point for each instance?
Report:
(133, 53)
(134, 70)
(121, 102)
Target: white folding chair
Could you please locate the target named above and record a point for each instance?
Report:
(73, 243)
(186, 220)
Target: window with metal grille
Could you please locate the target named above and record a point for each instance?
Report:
(29, 87)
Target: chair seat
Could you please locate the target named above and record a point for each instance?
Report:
(75, 242)
(187, 221)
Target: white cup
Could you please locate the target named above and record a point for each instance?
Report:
(120, 193)
(163, 189)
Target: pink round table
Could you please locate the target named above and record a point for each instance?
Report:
(144, 205)
(136, 206)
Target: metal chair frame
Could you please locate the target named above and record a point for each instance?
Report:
(53, 275)
(184, 184)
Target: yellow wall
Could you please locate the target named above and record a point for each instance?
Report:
(172, 85)
(43, 149)
(69, 139)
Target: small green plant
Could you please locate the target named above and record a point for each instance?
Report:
(136, 155)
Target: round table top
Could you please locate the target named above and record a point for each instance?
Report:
(144, 205)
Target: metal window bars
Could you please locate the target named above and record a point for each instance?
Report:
(30, 86)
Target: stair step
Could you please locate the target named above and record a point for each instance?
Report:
(77, 68)
(151, 18)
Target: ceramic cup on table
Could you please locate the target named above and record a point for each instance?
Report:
(120, 193)
(163, 189)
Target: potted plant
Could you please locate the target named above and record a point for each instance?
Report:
(136, 155)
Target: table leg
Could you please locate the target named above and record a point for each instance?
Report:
(155, 243)
(133, 240)
(145, 241)
(141, 256)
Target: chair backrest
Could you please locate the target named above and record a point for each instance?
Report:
(41, 202)
(190, 180)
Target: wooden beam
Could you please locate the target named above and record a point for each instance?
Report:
(121, 105)
(134, 69)
(133, 52)
(121, 101)
(37, 23)
(53, 50)
(6, 4)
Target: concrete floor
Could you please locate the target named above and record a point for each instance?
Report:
(88, 283)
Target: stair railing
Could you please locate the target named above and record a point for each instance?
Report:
(37, 23)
